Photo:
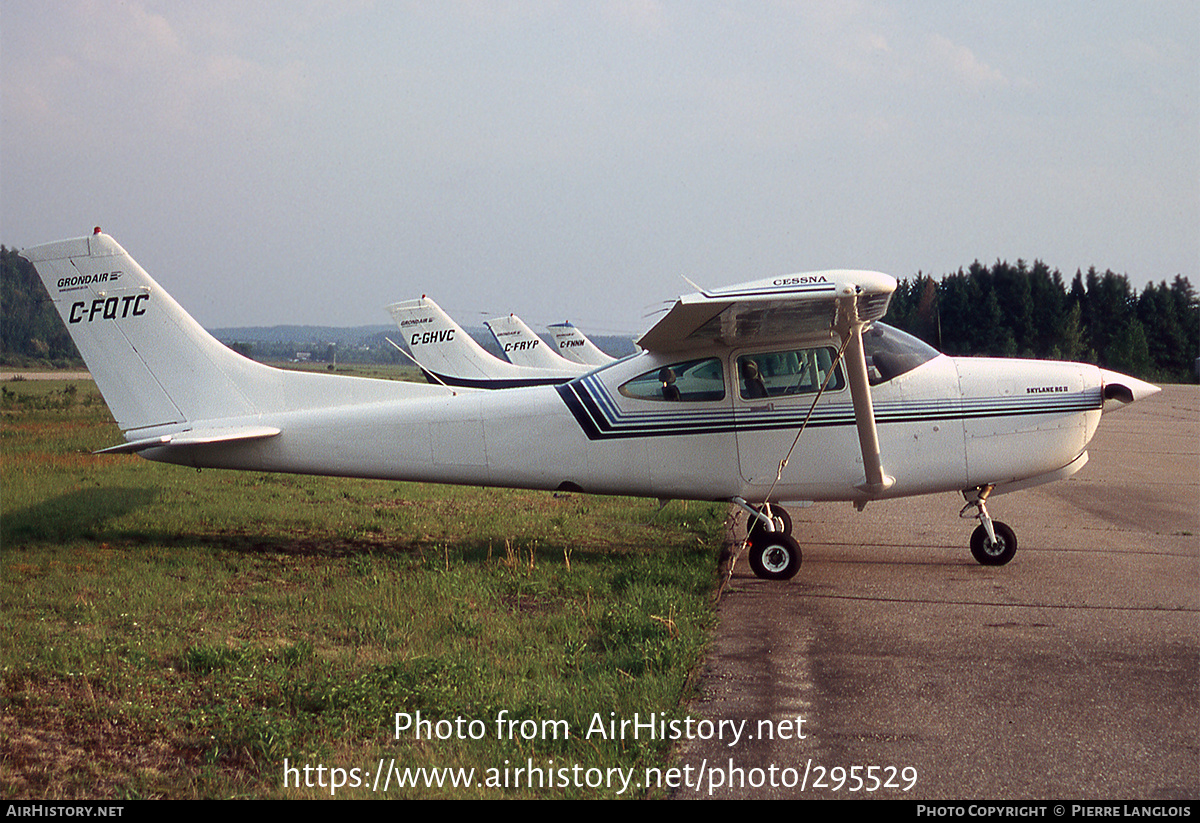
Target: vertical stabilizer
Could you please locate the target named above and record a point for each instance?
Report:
(573, 345)
(450, 356)
(157, 368)
(523, 347)
(439, 344)
(152, 362)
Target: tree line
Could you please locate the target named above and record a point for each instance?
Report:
(31, 332)
(1018, 310)
(1005, 310)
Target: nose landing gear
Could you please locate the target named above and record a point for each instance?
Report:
(992, 543)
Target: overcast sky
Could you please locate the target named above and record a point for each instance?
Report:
(294, 162)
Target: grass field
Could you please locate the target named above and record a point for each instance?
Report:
(174, 633)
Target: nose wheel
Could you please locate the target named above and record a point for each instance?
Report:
(992, 543)
(993, 552)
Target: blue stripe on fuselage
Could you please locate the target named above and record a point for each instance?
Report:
(600, 418)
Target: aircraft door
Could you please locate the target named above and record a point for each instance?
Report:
(678, 415)
(773, 392)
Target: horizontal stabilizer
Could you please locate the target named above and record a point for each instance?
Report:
(196, 437)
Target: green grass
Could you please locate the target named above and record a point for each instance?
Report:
(174, 633)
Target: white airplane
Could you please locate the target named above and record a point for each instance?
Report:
(573, 345)
(523, 347)
(780, 390)
(449, 356)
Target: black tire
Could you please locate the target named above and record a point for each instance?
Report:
(988, 553)
(783, 522)
(774, 556)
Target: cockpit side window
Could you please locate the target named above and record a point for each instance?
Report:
(779, 373)
(691, 381)
(891, 352)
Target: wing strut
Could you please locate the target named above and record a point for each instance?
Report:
(850, 326)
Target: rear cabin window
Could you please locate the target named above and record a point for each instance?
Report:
(781, 373)
(691, 381)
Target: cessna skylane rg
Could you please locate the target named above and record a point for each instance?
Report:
(449, 356)
(781, 390)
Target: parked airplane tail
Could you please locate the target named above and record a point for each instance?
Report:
(449, 355)
(573, 345)
(523, 347)
(157, 368)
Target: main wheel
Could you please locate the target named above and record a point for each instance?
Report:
(774, 556)
(994, 554)
(783, 522)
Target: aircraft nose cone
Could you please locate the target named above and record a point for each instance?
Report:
(1124, 388)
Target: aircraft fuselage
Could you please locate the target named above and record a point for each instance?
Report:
(949, 424)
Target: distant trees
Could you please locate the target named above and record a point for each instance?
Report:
(1008, 310)
(30, 328)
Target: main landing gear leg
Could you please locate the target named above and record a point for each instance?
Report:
(765, 518)
(992, 543)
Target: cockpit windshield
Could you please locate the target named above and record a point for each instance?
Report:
(891, 352)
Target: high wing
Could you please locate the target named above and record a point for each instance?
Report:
(774, 309)
(839, 302)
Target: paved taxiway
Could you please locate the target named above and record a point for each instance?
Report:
(1072, 672)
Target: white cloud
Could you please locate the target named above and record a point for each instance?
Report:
(960, 65)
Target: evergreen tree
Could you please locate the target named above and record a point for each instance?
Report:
(31, 329)
(1069, 339)
(1128, 352)
(1049, 310)
(1008, 310)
